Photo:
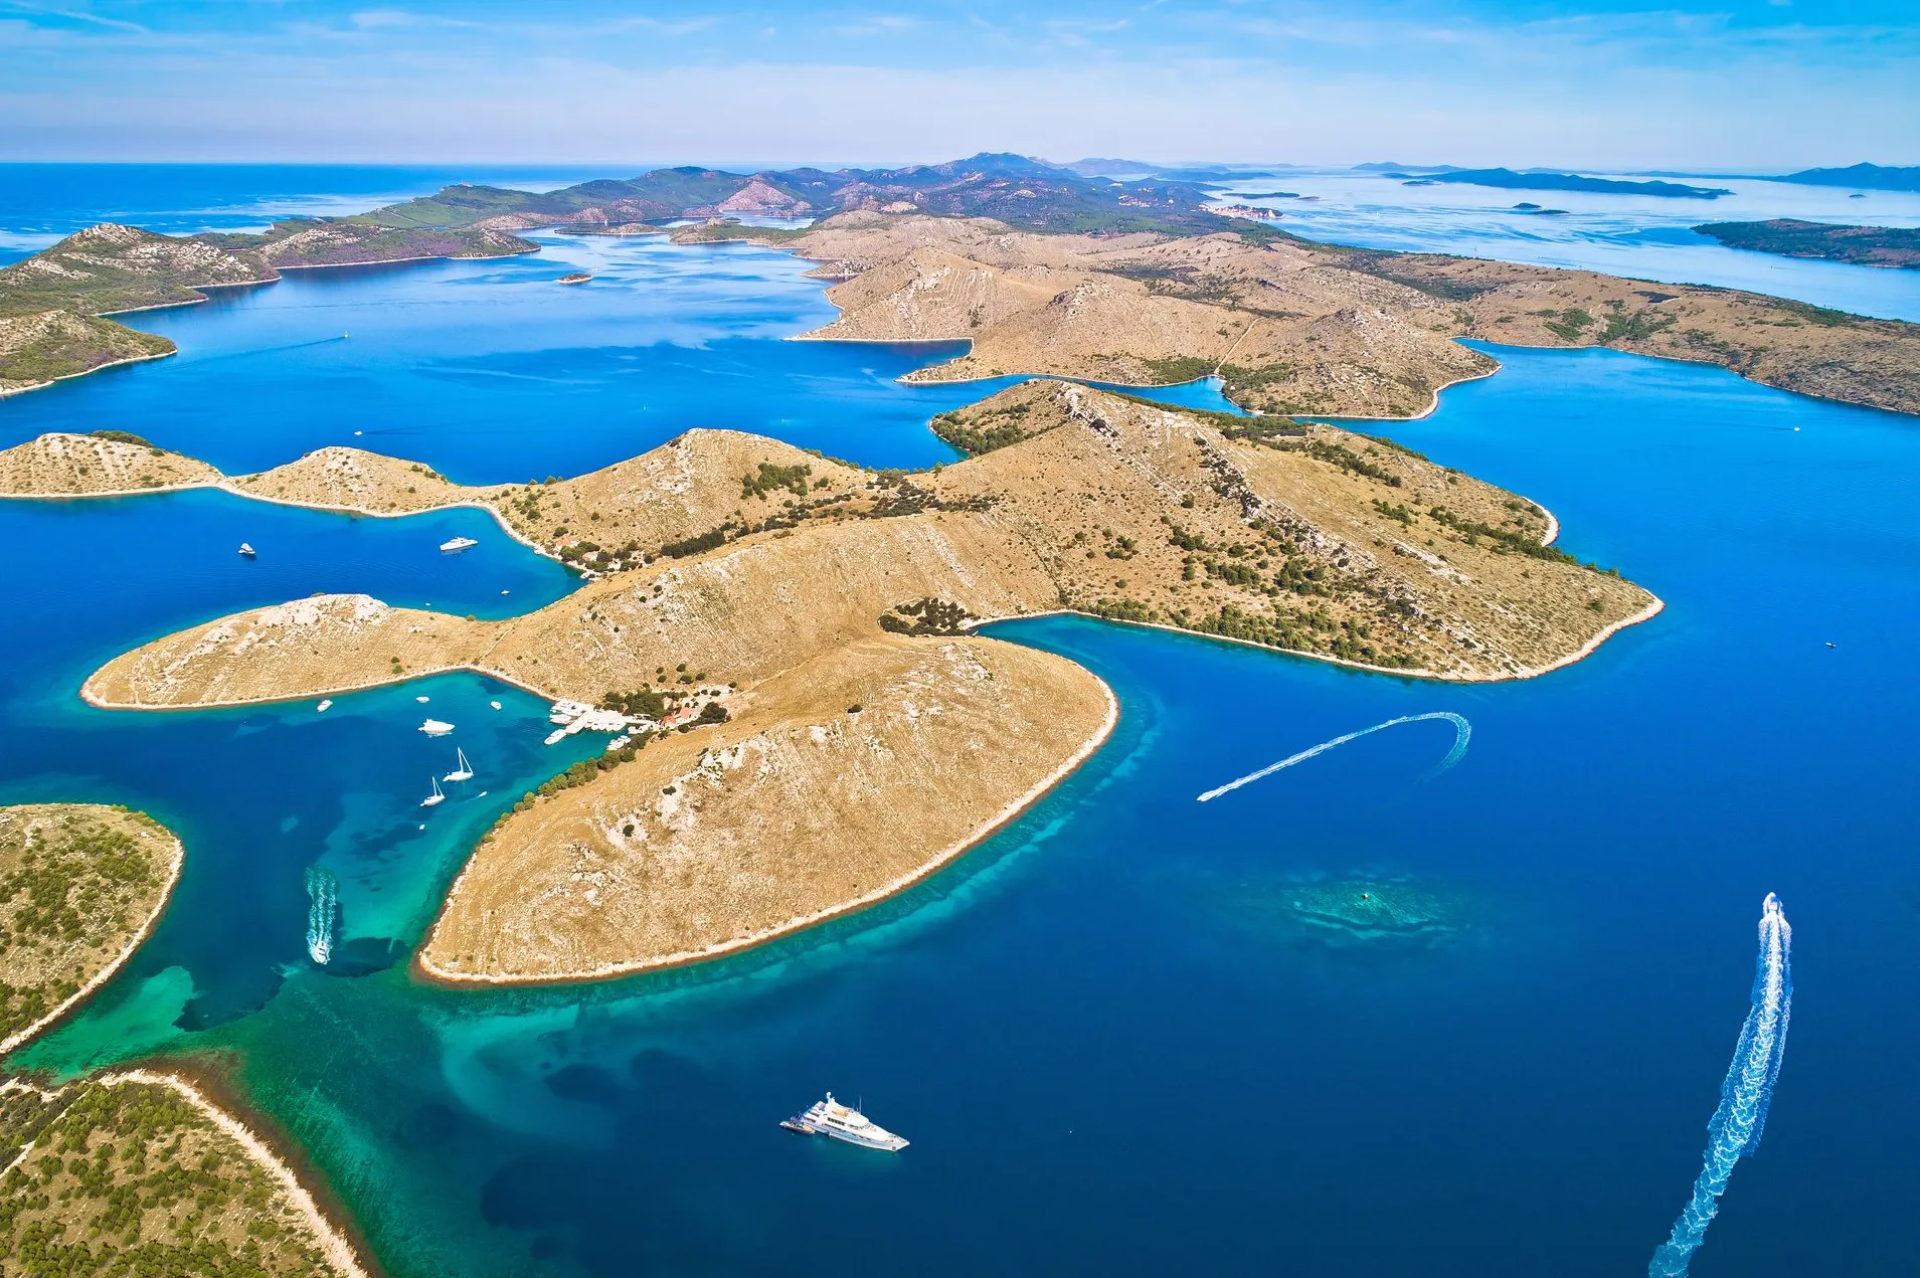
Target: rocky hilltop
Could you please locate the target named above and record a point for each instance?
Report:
(826, 610)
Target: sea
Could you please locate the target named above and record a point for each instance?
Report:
(1398, 1009)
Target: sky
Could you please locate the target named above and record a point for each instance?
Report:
(1738, 86)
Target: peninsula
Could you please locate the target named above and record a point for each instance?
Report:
(1295, 327)
(90, 1171)
(1536, 180)
(80, 887)
(1789, 237)
(51, 304)
(869, 736)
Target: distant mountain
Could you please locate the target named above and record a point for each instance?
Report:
(1016, 189)
(1865, 177)
(1097, 167)
(1388, 166)
(1861, 245)
(1508, 180)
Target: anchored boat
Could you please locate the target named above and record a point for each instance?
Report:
(464, 772)
(843, 1122)
(434, 798)
(457, 545)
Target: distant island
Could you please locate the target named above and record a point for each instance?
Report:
(1789, 237)
(1509, 180)
(1865, 177)
(53, 304)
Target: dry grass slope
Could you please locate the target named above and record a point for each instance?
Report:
(854, 774)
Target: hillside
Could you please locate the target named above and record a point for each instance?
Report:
(1861, 245)
(39, 348)
(1298, 328)
(110, 268)
(852, 775)
(60, 465)
(80, 884)
(138, 1173)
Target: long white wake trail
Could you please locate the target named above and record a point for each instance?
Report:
(1744, 1097)
(1463, 732)
(323, 895)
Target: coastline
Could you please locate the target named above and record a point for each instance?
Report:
(80, 996)
(88, 695)
(1585, 650)
(333, 1241)
(425, 971)
(88, 372)
(230, 488)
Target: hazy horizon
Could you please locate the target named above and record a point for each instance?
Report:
(1740, 86)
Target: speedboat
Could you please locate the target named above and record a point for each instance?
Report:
(324, 706)
(457, 545)
(435, 728)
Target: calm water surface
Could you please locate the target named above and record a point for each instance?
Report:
(1112, 1034)
(1644, 237)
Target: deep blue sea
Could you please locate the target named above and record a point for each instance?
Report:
(1116, 1040)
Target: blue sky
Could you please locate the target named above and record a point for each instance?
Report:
(1744, 84)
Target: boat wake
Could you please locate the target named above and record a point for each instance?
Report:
(1744, 1097)
(323, 893)
(1463, 732)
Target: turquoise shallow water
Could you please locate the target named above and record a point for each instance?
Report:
(1117, 1034)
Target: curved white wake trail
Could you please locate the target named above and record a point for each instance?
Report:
(1463, 732)
(323, 893)
(1744, 1097)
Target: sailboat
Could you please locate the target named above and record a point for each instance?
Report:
(462, 773)
(435, 797)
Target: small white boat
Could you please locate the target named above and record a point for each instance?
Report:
(494, 704)
(616, 743)
(324, 706)
(435, 797)
(464, 772)
(457, 545)
(556, 736)
(247, 551)
(421, 700)
(435, 728)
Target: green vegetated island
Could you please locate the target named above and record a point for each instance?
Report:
(1789, 237)
(133, 1172)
